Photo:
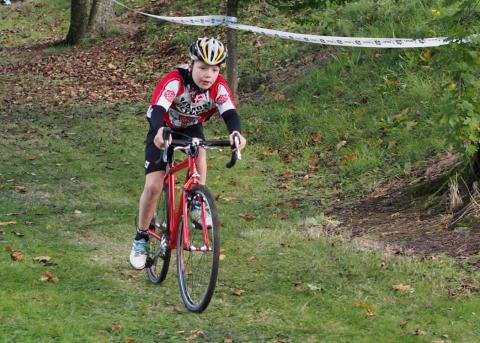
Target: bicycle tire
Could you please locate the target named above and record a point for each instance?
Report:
(197, 271)
(158, 260)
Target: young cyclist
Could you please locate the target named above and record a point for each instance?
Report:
(183, 100)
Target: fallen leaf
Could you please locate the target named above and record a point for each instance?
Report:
(194, 334)
(17, 256)
(403, 288)
(341, 144)
(369, 313)
(351, 157)
(287, 175)
(78, 212)
(7, 223)
(294, 204)
(281, 216)
(427, 54)
(21, 189)
(228, 340)
(42, 259)
(49, 277)
(284, 186)
(130, 340)
(175, 309)
(419, 332)
(316, 138)
(116, 327)
(279, 96)
(252, 259)
(268, 153)
(247, 217)
(298, 287)
(222, 257)
(238, 292)
(313, 287)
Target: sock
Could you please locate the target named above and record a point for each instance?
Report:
(141, 234)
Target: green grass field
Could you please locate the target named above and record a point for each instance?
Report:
(71, 177)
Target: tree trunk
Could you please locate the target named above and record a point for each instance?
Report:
(100, 16)
(80, 13)
(232, 60)
(89, 16)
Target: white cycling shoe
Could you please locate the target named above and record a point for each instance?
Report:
(138, 254)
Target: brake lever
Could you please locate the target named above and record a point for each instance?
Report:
(166, 143)
(236, 140)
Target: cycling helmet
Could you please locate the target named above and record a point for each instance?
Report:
(209, 50)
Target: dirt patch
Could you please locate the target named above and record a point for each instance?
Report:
(49, 74)
(395, 216)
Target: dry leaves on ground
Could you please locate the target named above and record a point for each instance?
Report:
(49, 277)
(15, 255)
(403, 288)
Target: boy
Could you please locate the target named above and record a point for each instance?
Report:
(183, 100)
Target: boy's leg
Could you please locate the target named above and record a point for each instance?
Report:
(202, 165)
(148, 200)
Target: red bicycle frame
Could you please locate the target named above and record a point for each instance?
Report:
(192, 178)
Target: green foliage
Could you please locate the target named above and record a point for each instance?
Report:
(461, 112)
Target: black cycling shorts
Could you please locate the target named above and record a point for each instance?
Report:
(152, 153)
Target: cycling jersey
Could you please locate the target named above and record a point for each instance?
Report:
(185, 104)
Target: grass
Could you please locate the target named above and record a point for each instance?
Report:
(70, 179)
(79, 207)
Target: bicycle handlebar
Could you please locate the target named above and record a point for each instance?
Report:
(200, 142)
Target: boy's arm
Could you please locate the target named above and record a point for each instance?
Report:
(232, 120)
(155, 117)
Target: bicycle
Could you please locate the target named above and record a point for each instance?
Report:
(196, 236)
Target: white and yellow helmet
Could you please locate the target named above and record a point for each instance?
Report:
(209, 50)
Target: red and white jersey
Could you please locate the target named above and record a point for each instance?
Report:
(185, 103)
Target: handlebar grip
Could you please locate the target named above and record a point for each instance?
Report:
(235, 153)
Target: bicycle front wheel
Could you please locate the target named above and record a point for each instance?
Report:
(198, 250)
(158, 259)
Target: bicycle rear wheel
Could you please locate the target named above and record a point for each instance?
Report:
(158, 259)
(197, 264)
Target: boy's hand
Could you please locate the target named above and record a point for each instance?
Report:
(158, 140)
(243, 141)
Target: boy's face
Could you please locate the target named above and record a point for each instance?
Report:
(204, 75)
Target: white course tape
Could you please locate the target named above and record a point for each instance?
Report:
(346, 41)
(231, 22)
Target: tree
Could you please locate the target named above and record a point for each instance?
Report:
(89, 17)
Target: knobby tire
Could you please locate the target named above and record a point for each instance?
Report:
(196, 270)
(158, 260)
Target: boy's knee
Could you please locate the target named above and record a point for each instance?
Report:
(152, 190)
